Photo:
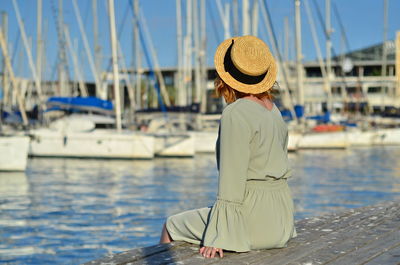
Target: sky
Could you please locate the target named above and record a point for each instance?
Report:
(362, 20)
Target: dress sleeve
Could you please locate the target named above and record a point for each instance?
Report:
(285, 147)
(226, 228)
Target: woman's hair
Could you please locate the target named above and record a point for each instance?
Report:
(230, 94)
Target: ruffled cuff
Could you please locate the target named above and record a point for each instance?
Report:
(226, 227)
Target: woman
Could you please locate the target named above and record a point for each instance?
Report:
(254, 208)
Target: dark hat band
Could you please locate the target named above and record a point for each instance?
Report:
(237, 74)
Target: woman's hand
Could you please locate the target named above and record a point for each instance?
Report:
(209, 252)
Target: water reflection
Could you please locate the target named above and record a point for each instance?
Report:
(332, 180)
(13, 184)
(69, 210)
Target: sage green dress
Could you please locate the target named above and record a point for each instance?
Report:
(254, 207)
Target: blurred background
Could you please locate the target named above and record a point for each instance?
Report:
(109, 119)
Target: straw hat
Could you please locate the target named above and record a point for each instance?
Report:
(246, 64)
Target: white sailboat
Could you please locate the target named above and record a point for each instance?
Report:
(174, 145)
(205, 141)
(169, 140)
(377, 136)
(387, 137)
(95, 144)
(13, 149)
(76, 136)
(325, 140)
(293, 141)
(13, 153)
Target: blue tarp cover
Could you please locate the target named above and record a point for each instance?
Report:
(79, 103)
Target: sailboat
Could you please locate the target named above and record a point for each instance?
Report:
(87, 135)
(13, 149)
(169, 140)
(13, 152)
(81, 135)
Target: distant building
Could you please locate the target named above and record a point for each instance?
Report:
(361, 85)
(357, 84)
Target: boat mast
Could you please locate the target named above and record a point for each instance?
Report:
(227, 20)
(203, 61)
(328, 31)
(39, 45)
(235, 8)
(286, 45)
(398, 64)
(138, 56)
(156, 65)
(384, 53)
(14, 82)
(316, 43)
(77, 70)
(97, 48)
(179, 90)
(224, 15)
(196, 38)
(44, 45)
(128, 82)
(113, 39)
(188, 52)
(344, 45)
(299, 56)
(266, 16)
(245, 17)
(286, 33)
(29, 54)
(100, 92)
(62, 63)
(6, 86)
(254, 27)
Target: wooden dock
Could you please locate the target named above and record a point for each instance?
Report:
(368, 235)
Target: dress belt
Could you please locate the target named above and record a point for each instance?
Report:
(267, 184)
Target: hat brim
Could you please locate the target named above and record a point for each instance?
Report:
(264, 85)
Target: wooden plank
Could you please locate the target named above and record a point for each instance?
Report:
(368, 252)
(317, 228)
(340, 238)
(184, 254)
(134, 254)
(389, 257)
(199, 260)
(243, 258)
(172, 256)
(320, 239)
(340, 221)
(374, 234)
(319, 224)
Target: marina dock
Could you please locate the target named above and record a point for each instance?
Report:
(368, 235)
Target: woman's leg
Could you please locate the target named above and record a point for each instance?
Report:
(187, 226)
(165, 237)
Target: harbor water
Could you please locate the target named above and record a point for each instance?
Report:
(69, 211)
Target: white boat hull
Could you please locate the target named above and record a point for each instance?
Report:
(13, 153)
(174, 145)
(374, 137)
(205, 141)
(328, 140)
(95, 144)
(387, 137)
(338, 140)
(360, 138)
(293, 141)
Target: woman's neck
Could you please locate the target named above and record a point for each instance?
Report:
(265, 102)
